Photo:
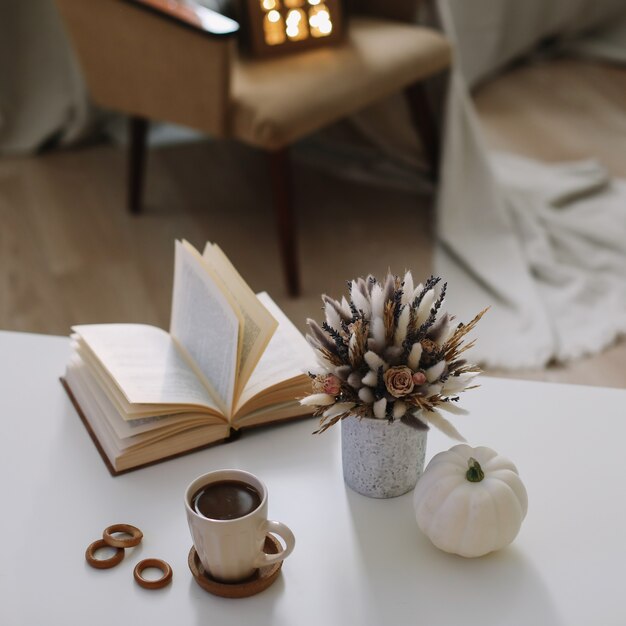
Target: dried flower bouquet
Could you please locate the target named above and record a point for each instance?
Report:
(390, 352)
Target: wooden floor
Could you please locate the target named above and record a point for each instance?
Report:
(69, 253)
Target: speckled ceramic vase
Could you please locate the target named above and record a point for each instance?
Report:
(381, 459)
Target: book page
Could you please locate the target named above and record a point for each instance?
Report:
(128, 452)
(258, 323)
(79, 376)
(144, 363)
(287, 356)
(205, 324)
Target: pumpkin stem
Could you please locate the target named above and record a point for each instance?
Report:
(475, 472)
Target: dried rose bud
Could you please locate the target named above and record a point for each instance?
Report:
(332, 385)
(399, 381)
(329, 384)
(419, 378)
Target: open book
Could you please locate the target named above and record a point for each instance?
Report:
(231, 360)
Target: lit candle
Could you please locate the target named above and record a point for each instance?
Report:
(319, 20)
(296, 25)
(273, 28)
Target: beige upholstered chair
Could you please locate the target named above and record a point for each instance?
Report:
(152, 68)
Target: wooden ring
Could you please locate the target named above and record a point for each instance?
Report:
(153, 584)
(112, 561)
(135, 536)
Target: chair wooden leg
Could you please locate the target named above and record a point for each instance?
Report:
(425, 125)
(137, 139)
(282, 191)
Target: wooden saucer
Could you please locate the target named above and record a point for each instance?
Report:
(258, 582)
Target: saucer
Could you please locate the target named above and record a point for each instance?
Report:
(258, 582)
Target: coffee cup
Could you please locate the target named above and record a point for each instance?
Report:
(227, 515)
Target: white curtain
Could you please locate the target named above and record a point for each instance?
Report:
(42, 94)
(488, 34)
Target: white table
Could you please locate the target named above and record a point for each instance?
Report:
(357, 560)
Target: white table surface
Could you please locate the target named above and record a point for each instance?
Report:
(356, 561)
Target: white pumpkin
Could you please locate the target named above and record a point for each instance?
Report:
(470, 501)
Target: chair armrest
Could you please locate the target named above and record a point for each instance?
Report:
(401, 10)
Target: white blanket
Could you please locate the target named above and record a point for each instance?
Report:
(544, 245)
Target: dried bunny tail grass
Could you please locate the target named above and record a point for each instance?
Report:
(340, 408)
(376, 340)
(318, 399)
(439, 330)
(355, 380)
(325, 425)
(434, 418)
(434, 372)
(377, 300)
(363, 286)
(415, 294)
(423, 310)
(346, 310)
(359, 411)
(342, 309)
(452, 407)
(370, 379)
(430, 321)
(333, 318)
(374, 361)
(457, 384)
(399, 409)
(340, 343)
(326, 360)
(343, 371)
(402, 326)
(422, 290)
(407, 288)
(366, 395)
(360, 298)
(380, 408)
(390, 287)
(320, 336)
(393, 355)
(414, 356)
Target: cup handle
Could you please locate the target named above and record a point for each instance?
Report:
(276, 528)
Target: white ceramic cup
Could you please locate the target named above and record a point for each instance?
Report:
(232, 550)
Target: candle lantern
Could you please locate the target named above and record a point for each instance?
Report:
(281, 26)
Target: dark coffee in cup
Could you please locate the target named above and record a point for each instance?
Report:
(226, 511)
(225, 500)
